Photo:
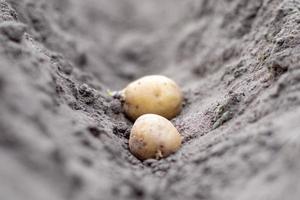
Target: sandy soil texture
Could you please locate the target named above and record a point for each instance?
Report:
(63, 137)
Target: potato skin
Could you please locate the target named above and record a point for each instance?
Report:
(152, 94)
(153, 136)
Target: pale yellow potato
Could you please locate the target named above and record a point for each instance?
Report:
(152, 94)
(153, 136)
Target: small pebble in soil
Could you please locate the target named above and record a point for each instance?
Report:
(153, 136)
(152, 94)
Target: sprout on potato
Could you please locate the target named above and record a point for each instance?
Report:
(152, 94)
(153, 136)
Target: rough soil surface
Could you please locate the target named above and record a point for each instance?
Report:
(63, 137)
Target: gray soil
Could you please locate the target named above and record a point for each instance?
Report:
(63, 137)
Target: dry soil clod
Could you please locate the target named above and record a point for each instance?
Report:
(153, 136)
